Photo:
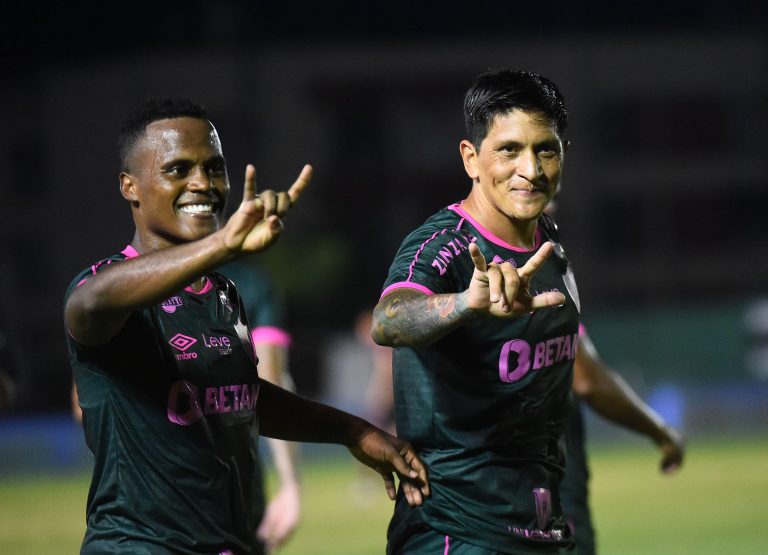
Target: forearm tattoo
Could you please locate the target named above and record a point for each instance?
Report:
(409, 318)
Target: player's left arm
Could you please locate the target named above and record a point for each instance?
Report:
(283, 511)
(287, 416)
(610, 395)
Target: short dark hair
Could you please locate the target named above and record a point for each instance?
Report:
(135, 124)
(498, 92)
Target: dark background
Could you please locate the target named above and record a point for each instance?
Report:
(664, 191)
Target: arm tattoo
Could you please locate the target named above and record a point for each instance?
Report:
(408, 318)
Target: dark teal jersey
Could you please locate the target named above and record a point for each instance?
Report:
(168, 408)
(486, 405)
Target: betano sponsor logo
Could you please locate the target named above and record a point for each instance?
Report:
(517, 357)
(186, 405)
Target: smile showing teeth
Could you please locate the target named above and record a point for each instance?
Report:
(197, 208)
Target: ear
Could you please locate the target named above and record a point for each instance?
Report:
(128, 187)
(566, 146)
(469, 157)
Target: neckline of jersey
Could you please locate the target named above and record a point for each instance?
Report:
(489, 235)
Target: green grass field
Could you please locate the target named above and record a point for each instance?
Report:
(716, 505)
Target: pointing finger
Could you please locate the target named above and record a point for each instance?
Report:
(249, 190)
(477, 257)
(535, 262)
(300, 184)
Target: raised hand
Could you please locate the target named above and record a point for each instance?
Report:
(257, 223)
(503, 290)
(387, 454)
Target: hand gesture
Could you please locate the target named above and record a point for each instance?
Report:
(257, 223)
(386, 454)
(502, 290)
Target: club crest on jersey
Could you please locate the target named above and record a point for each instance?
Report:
(170, 305)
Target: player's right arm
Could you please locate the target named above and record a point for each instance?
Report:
(409, 318)
(98, 309)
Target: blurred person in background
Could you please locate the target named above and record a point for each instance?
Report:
(610, 396)
(378, 399)
(263, 304)
(162, 359)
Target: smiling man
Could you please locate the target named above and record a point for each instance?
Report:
(162, 358)
(481, 307)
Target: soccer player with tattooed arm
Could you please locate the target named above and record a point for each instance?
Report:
(481, 308)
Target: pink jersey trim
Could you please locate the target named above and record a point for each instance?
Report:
(206, 287)
(418, 252)
(271, 335)
(582, 329)
(490, 236)
(447, 545)
(406, 285)
(130, 252)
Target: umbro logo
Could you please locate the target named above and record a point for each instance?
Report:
(182, 342)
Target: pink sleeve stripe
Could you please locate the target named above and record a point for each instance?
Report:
(418, 252)
(130, 252)
(406, 285)
(447, 545)
(582, 329)
(490, 236)
(271, 335)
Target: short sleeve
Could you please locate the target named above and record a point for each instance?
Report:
(428, 261)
